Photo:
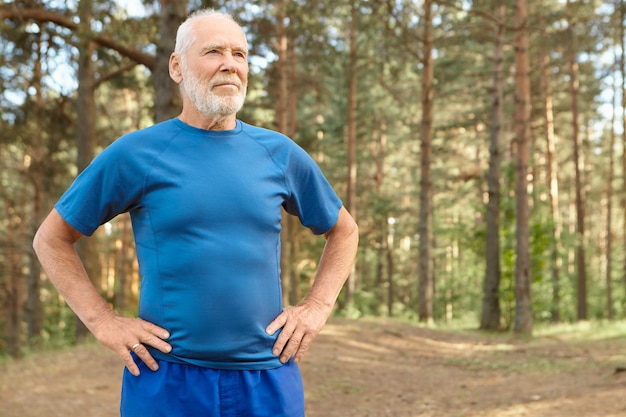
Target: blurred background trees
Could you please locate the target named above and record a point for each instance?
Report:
(479, 145)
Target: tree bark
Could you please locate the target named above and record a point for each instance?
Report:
(609, 208)
(581, 275)
(622, 8)
(34, 306)
(490, 319)
(523, 305)
(386, 230)
(295, 293)
(167, 98)
(553, 187)
(285, 114)
(86, 137)
(425, 286)
(351, 140)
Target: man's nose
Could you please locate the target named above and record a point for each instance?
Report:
(228, 63)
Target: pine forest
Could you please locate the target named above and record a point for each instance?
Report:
(479, 145)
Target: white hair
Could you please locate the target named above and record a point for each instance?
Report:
(185, 36)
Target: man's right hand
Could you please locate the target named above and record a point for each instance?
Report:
(124, 334)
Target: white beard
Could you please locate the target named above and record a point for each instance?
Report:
(206, 101)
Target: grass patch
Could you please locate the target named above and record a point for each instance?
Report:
(584, 331)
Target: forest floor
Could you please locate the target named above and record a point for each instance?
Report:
(375, 368)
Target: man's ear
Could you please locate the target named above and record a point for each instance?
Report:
(175, 70)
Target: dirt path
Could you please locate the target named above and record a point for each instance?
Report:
(371, 369)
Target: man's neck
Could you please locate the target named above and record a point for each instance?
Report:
(213, 122)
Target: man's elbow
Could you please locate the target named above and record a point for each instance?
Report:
(352, 229)
(346, 226)
(40, 240)
(54, 232)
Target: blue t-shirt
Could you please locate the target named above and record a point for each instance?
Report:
(206, 214)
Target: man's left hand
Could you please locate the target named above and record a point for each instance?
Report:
(300, 325)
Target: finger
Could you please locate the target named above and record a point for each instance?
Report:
(155, 330)
(157, 343)
(276, 324)
(304, 347)
(142, 353)
(282, 339)
(129, 362)
(292, 346)
(154, 336)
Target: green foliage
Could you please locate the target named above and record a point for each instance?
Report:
(389, 72)
(59, 325)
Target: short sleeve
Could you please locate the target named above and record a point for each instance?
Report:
(311, 197)
(110, 185)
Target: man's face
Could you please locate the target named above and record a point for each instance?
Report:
(215, 67)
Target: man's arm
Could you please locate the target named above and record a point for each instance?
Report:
(300, 324)
(54, 246)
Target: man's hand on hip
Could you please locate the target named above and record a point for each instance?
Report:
(300, 325)
(124, 334)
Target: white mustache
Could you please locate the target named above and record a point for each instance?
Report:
(235, 82)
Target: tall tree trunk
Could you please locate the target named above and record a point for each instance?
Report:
(622, 8)
(285, 123)
(386, 228)
(34, 306)
(383, 277)
(425, 286)
(282, 69)
(292, 91)
(167, 101)
(523, 305)
(287, 259)
(609, 207)
(86, 138)
(291, 126)
(85, 103)
(490, 319)
(581, 275)
(351, 143)
(553, 187)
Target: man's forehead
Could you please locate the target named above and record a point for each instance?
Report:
(220, 31)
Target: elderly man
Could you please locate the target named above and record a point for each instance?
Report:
(205, 193)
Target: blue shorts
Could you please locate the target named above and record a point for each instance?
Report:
(178, 390)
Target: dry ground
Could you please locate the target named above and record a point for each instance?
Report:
(372, 368)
